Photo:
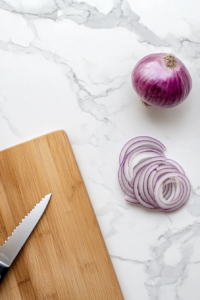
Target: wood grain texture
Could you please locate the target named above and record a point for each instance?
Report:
(65, 257)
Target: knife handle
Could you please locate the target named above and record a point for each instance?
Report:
(3, 271)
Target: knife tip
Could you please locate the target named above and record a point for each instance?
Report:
(48, 197)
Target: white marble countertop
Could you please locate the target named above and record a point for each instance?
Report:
(66, 64)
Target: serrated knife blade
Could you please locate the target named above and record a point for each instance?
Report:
(12, 246)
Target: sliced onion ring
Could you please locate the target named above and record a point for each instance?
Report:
(148, 178)
(138, 142)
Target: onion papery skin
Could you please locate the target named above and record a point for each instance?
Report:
(159, 85)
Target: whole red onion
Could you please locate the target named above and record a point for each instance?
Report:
(161, 80)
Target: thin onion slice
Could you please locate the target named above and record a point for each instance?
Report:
(138, 142)
(148, 178)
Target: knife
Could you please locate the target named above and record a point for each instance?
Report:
(14, 243)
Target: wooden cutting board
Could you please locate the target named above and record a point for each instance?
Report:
(65, 257)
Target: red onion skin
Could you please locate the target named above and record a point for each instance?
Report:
(159, 85)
